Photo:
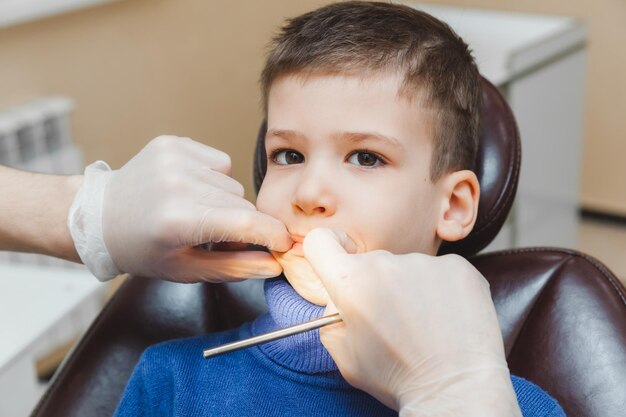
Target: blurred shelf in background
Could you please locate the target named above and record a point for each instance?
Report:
(13, 12)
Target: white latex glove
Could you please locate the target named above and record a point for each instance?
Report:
(419, 333)
(151, 216)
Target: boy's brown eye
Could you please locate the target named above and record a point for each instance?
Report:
(365, 159)
(293, 157)
(287, 157)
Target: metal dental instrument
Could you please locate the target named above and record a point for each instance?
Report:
(273, 335)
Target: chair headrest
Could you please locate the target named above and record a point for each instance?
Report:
(497, 167)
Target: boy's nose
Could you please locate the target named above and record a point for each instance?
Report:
(314, 194)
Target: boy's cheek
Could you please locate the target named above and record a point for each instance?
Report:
(271, 203)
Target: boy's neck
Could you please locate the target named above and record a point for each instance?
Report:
(303, 352)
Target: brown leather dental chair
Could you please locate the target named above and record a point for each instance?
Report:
(562, 313)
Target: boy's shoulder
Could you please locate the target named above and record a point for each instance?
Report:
(176, 352)
(169, 373)
(534, 401)
(192, 342)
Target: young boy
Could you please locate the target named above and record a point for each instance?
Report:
(372, 113)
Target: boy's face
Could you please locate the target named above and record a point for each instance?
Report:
(348, 152)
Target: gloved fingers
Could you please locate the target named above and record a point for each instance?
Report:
(337, 341)
(325, 249)
(208, 177)
(331, 308)
(333, 336)
(356, 350)
(213, 198)
(223, 266)
(214, 158)
(243, 224)
(168, 147)
(327, 241)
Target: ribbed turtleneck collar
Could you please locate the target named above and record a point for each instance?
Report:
(303, 352)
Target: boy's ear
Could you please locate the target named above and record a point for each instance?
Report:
(461, 192)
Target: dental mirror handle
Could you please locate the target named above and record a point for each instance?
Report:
(273, 335)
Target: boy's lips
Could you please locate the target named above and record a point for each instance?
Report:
(296, 249)
(297, 238)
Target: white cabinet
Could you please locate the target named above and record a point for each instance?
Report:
(538, 62)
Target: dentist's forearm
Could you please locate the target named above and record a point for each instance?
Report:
(33, 213)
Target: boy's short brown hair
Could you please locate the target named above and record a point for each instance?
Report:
(359, 37)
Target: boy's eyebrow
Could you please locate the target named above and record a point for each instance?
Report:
(355, 137)
(289, 135)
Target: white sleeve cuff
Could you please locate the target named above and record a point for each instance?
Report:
(85, 222)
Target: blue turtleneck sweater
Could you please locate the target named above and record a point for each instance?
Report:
(294, 376)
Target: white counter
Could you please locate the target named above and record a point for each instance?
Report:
(40, 310)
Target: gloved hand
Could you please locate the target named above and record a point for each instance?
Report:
(151, 216)
(419, 333)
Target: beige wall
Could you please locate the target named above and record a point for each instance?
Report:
(139, 68)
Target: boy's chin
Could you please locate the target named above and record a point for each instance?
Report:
(302, 277)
